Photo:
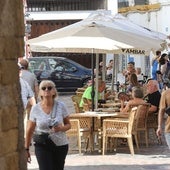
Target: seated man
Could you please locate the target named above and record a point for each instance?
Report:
(153, 95)
(87, 95)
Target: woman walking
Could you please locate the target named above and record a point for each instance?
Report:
(48, 122)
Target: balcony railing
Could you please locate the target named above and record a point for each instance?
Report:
(75, 5)
(64, 5)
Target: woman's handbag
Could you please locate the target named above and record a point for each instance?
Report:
(41, 138)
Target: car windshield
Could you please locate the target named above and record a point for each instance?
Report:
(60, 65)
(40, 64)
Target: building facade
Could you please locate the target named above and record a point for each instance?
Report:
(154, 15)
(48, 15)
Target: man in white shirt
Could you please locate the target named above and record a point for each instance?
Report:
(28, 76)
(27, 94)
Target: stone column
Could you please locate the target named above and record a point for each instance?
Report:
(12, 154)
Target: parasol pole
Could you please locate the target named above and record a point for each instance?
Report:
(92, 66)
(113, 74)
(97, 81)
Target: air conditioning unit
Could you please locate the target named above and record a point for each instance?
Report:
(141, 2)
(123, 3)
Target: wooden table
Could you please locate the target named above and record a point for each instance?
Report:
(108, 110)
(100, 116)
(111, 104)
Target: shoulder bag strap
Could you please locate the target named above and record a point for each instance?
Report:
(54, 112)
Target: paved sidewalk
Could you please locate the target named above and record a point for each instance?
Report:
(152, 158)
(155, 157)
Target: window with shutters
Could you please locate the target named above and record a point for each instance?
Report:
(64, 5)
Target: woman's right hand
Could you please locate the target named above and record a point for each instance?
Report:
(28, 156)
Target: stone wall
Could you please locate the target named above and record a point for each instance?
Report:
(11, 117)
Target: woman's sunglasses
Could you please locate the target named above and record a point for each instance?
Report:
(48, 88)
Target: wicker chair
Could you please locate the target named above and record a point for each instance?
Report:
(86, 131)
(76, 100)
(82, 89)
(86, 106)
(75, 131)
(78, 93)
(119, 128)
(140, 123)
(81, 127)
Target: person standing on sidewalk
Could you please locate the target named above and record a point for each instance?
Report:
(31, 79)
(28, 76)
(49, 120)
(164, 107)
(155, 64)
(27, 94)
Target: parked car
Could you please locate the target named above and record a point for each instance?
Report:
(65, 73)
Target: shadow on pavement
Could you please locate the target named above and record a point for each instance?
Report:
(119, 167)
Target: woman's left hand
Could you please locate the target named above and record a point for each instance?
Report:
(57, 128)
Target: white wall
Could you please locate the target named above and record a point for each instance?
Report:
(164, 18)
(155, 20)
(113, 6)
